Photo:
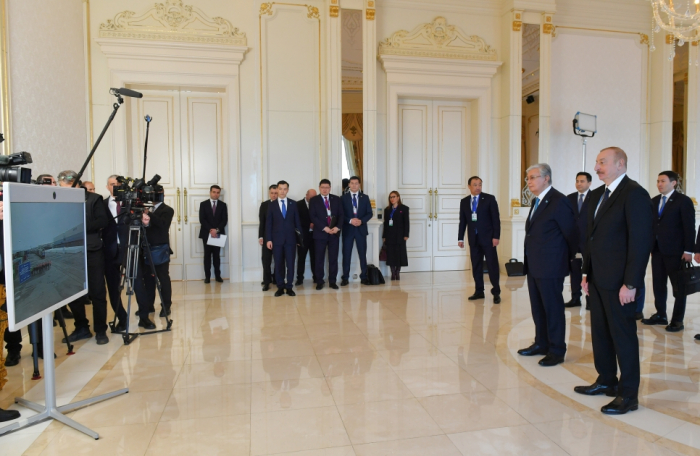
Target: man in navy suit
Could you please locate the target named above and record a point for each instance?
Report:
(674, 241)
(309, 247)
(326, 214)
(579, 201)
(357, 211)
(478, 214)
(282, 226)
(551, 242)
(213, 217)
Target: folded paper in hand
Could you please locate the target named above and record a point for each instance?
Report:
(217, 241)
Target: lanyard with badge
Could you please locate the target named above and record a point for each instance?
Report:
(391, 217)
(475, 202)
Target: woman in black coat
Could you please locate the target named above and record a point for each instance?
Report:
(396, 226)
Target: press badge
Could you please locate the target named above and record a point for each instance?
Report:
(473, 216)
(391, 222)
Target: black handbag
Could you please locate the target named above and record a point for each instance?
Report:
(160, 254)
(515, 268)
(382, 253)
(374, 275)
(685, 280)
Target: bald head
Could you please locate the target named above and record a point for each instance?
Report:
(310, 193)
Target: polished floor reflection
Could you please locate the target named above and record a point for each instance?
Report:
(409, 368)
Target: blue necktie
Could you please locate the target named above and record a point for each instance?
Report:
(663, 205)
(284, 210)
(537, 203)
(474, 202)
(580, 202)
(354, 201)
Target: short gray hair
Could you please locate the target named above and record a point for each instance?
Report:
(544, 168)
(113, 176)
(67, 176)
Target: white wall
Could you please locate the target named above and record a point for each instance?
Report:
(600, 75)
(47, 83)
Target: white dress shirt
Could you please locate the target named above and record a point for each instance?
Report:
(541, 197)
(612, 188)
(354, 209)
(286, 203)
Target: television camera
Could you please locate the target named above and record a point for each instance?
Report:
(10, 171)
(136, 195)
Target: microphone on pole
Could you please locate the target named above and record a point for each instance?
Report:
(126, 92)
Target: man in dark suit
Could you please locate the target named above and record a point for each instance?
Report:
(674, 242)
(262, 238)
(307, 231)
(550, 245)
(213, 217)
(157, 222)
(478, 215)
(579, 201)
(620, 220)
(326, 214)
(115, 241)
(357, 211)
(282, 226)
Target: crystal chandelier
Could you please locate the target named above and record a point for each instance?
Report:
(683, 25)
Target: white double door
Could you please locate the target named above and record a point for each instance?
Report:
(185, 147)
(434, 164)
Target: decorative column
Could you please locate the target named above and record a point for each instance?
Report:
(369, 127)
(334, 88)
(661, 110)
(545, 86)
(692, 108)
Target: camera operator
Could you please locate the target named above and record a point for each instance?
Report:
(115, 239)
(157, 223)
(96, 219)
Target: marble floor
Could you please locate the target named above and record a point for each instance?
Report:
(408, 368)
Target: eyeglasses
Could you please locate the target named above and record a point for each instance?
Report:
(532, 178)
(393, 196)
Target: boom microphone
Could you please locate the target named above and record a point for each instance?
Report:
(126, 92)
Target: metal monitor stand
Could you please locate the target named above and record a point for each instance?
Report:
(50, 410)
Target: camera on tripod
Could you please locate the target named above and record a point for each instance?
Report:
(136, 195)
(10, 171)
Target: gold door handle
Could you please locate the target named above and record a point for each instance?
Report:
(178, 205)
(185, 205)
(430, 200)
(437, 204)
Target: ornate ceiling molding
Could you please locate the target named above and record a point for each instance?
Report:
(173, 21)
(439, 40)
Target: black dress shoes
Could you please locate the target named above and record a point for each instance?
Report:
(620, 405)
(333, 286)
(78, 334)
(219, 279)
(476, 296)
(299, 282)
(279, 292)
(146, 323)
(67, 313)
(655, 319)
(588, 306)
(697, 337)
(207, 280)
(496, 299)
(290, 292)
(365, 282)
(551, 360)
(101, 338)
(344, 282)
(13, 358)
(596, 389)
(532, 350)
(162, 313)
(576, 302)
(639, 316)
(266, 287)
(319, 286)
(7, 415)
(675, 326)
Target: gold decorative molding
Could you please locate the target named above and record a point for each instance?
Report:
(266, 9)
(439, 40)
(643, 39)
(694, 43)
(369, 14)
(515, 203)
(370, 4)
(695, 202)
(547, 29)
(334, 11)
(173, 21)
(669, 39)
(517, 16)
(517, 26)
(312, 12)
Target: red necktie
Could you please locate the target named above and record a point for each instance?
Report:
(213, 208)
(328, 208)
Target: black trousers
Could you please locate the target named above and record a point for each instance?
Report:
(547, 304)
(310, 248)
(576, 277)
(113, 279)
(614, 337)
(478, 250)
(361, 243)
(661, 267)
(97, 292)
(145, 289)
(332, 244)
(266, 264)
(284, 259)
(209, 252)
(13, 340)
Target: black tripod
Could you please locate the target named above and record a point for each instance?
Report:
(130, 272)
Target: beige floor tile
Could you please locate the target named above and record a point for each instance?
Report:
(373, 387)
(281, 348)
(129, 440)
(337, 451)
(494, 375)
(387, 420)
(341, 344)
(507, 441)
(536, 406)
(358, 363)
(214, 373)
(290, 394)
(419, 358)
(139, 379)
(207, 401)
(323, 330)
(277, 369)
(439, 445)
(224, 435)
(297, 430)
(456, 413)
(583, 435)
(132, 408)
(440, 380)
